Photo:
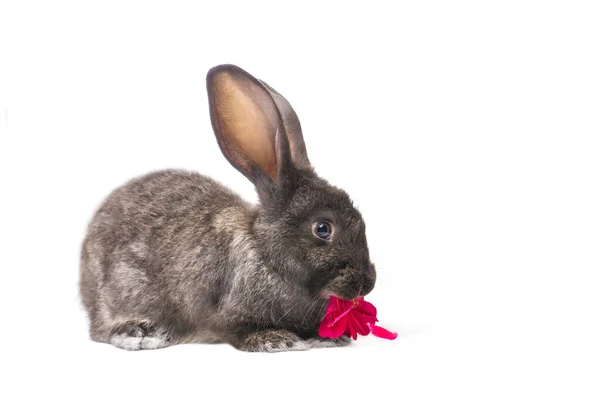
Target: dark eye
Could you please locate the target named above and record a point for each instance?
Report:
(322, 230)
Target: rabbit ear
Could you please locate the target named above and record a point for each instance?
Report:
(251, 129)
(293, 129)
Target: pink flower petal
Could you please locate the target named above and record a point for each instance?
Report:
(340, 316)
(378, 331)
(351, 330)
(352, 318)
(359, 323)
(366, 308)
(363, 318)
(330, 329)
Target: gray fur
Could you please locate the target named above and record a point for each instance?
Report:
(175, 257)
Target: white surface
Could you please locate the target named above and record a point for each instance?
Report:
(467, 133)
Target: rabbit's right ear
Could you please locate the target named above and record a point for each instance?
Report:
(251, 123)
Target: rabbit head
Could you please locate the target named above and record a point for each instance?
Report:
(309, 230)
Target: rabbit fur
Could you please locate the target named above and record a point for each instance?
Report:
(175, 257)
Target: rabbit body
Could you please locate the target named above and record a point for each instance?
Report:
(175, 251)
(174, 257)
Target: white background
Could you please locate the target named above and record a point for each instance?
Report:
(468, 134)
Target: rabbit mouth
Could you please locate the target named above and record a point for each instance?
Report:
(326, 294)
(348, 289)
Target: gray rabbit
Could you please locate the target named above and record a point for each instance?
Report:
(175, 257)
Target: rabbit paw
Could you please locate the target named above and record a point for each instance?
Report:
(319, 342)
(272, 341)
(138, 335)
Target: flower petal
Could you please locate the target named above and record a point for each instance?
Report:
(378, 331)
(366, 308)
(351, 329)
(334, 306)
(340, 316)
(363, 318)
(339, 327)
(359, 323)
(352, 318)
(330, 329)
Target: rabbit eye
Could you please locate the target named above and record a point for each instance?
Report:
(322, 230)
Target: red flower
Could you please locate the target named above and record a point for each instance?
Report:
(351, 317)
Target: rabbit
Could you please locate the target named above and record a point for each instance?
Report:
(175, 257)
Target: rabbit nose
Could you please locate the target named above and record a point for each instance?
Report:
(369, 280)
(367, 287)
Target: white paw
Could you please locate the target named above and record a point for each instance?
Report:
(132, 343)
(126, 342)
(153, 342)
(299, 345)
